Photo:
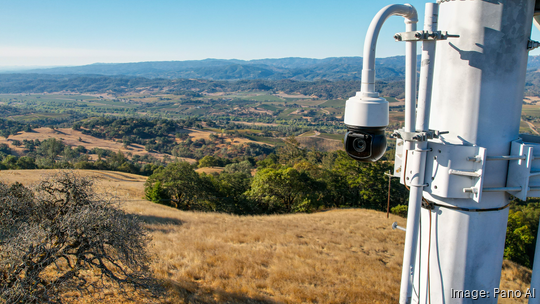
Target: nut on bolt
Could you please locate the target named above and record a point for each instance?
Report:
(397, 37)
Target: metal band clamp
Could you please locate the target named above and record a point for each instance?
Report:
(417, 136)
(423, 36)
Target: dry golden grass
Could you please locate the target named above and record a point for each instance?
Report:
(198, 134)
(531, 99)
(125, 186)
(209, 170)
(338, 256)
(515, 277)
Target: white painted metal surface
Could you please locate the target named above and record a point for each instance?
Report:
(449, 172)
(366, 111)
(477, 94)
(418, 158)
(525, 172)
(519, 170)
(426, 68)
(370, 42)
(410, 79)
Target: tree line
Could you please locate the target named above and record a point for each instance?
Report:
(291, 180)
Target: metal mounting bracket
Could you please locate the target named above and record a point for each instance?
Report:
(449, 169)
(423, 36)
(524, 172)
(452, 168)
(399, 160)
(417, 136)
(531, 45)
(457, 171)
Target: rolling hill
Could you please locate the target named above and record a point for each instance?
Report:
(338, 256)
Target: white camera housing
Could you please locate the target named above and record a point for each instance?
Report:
(366, 110)
(366, 118)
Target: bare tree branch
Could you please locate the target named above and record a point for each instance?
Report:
(50, 233)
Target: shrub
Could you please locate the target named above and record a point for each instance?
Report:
(156, 193)
(53, 236)
(400, 210)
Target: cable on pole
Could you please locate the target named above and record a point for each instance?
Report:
(431, 205)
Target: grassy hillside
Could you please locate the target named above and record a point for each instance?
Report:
(339, 256)
(76, 138)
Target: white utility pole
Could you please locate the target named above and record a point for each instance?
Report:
(478, 87)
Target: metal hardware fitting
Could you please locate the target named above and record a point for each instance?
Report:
(417, 136)
(502, 157)
(520, 173)
(423, 36)
(507, 157)
(534, 173)
(476, 159)
(464, 173)
(531, 44)
(498, 189)
(395, 226)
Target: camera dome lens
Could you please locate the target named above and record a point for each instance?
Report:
(359, 145)
(365, 144)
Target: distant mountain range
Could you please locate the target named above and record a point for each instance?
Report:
(341, 68)
(338, 68)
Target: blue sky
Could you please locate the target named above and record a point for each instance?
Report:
(61, 32)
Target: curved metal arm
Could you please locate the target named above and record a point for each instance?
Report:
(370, 43)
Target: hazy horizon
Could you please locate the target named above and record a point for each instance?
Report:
(66, 33)
(24, 67)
